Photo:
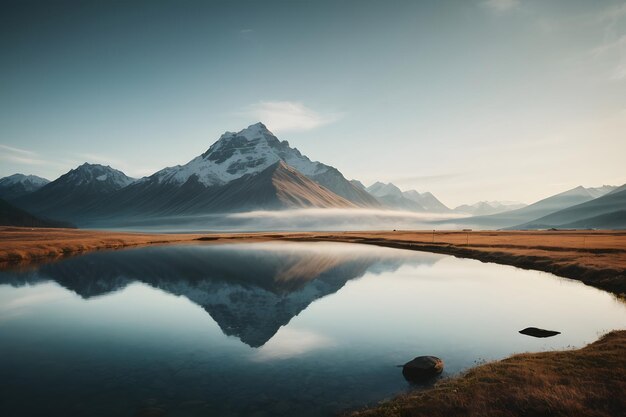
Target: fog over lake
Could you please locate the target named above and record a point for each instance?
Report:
(291, 220)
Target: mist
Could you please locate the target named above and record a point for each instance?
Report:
(310, 219)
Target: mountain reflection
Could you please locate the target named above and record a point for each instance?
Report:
(250, 290)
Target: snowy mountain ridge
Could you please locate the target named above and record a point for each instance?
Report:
(234, 155)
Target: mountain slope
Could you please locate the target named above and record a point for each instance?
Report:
(277, 187)
(427, 200)
(74, 192)
(533, 211)
(600, 191)
(18, 185)
(613, 220)
(14, 216)
(251, 151)
(605, 211)
(391, 196)
(484, 208)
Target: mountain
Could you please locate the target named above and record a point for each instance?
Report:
(17, 185)
(13, 216)
(74, 192)
(358, 184)
(533, 211)
(483, 208)
(600, 191)
(427, 200)
(391, 196)
(250, 151)
(613, 220)
(279, 186)
(603, 212)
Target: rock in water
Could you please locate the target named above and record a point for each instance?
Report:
(422, 368)
(535, 332)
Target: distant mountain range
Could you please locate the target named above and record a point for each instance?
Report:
(243, 171)
(608, 211)
(525, 217)
(484, 208)
(253, 170)
(391, 196)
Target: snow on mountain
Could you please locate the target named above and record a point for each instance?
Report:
(17, 185)
(31, 180)
(234, 155)
(251, 151)
(71, 195)
(95, 173)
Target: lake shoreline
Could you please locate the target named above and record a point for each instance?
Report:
(582, 382)
(596, 258)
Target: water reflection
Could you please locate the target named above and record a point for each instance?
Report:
(298, 329)
(249, 290)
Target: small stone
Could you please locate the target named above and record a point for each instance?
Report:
(535, 332)
(422, 368)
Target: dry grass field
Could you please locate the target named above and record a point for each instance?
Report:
(597, 258)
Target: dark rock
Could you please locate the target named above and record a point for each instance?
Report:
(422, 368)
(535, 332)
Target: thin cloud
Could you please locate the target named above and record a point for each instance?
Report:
(289, 116)
(16, 150)
(613, 52)
(20, 156)
(501, 5)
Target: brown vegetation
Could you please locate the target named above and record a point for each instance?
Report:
(597, 258)
(586, 382)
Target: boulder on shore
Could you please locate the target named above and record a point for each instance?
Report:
(536, 332)
(422, 368)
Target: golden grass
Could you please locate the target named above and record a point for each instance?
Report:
(585, 382)
(597, 258)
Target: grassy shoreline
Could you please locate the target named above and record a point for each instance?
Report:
(584, 382)
(597, 258)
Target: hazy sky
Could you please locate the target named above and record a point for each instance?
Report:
(472, 100)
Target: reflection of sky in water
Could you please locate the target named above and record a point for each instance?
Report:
(331, 322)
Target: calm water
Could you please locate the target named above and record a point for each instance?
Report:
(272, 329)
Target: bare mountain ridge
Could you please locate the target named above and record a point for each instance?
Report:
(607, 211)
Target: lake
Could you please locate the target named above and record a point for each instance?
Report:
(266, 329)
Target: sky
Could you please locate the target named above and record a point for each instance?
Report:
(472, 100)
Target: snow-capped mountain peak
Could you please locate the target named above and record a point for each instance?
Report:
(27, 180)
(234, 155)
(17, 185)
(95, 173)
